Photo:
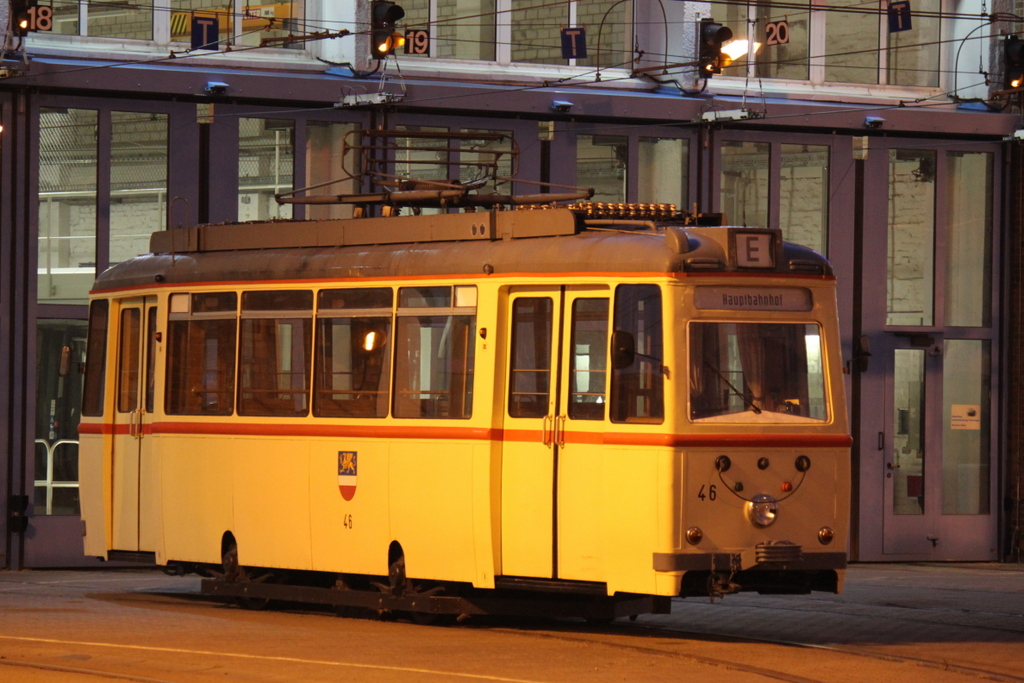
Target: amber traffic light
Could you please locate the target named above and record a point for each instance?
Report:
(384, 38)
(1013, 62)
(710, 38)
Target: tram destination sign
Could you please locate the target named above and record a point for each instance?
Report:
(708, 298)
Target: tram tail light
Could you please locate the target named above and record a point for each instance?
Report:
(694, 535)
(826, 535)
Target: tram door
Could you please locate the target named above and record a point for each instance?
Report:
(133, 521)
(935, 447)
(552, 332)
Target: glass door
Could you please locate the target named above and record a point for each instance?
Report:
(908, 449)
(132, 465)
(557, 382)
(530, 449)
(928, 472)
(936, 450)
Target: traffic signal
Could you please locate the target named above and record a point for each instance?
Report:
(710, 37)
(22, 16)
(384, 39)
(1013, 62)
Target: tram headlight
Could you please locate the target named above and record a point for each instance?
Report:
(762, 510)
(825, 535)
(694, 535)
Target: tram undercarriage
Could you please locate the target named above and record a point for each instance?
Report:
(512, 596)
(422, 600)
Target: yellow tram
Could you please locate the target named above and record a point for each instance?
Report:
(521, 402)
(580, 410)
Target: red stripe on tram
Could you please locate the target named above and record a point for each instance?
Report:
(392, 431)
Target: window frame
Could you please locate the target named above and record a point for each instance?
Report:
(459, 407)
(324, 318)
(95, 383)
(161, 22)
(834, 214)
(818, 16)
(174, 406)
(623, 390)
(250, 338)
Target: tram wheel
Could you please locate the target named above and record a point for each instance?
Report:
(396, 576)
(235, 573)
(229, 561)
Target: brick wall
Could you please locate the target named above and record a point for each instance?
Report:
(535, 32)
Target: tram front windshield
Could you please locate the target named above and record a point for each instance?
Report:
(756, 372)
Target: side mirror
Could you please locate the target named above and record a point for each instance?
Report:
(65, 361)
(623, 349)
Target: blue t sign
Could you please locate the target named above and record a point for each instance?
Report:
(899, 16)
(205, 33)
(574, 43)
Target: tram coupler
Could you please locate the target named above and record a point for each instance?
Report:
(720, 585)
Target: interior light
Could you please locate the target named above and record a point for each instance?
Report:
(370, 341)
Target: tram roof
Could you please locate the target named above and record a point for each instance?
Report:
(466, 244)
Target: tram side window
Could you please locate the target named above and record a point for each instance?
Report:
(202, 330)
(128, 381)
(152, 340)
(530, 372)
(637, 392)
(274, 353)
(434, 340)
(353, 352)
(589, 360)
(96, 359)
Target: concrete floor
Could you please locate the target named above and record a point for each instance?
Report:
(900, 622)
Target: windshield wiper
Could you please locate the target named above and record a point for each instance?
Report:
(749, 402)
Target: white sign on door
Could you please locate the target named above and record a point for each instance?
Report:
(965, 417)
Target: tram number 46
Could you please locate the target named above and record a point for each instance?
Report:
(346, 521)
(711, 494)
